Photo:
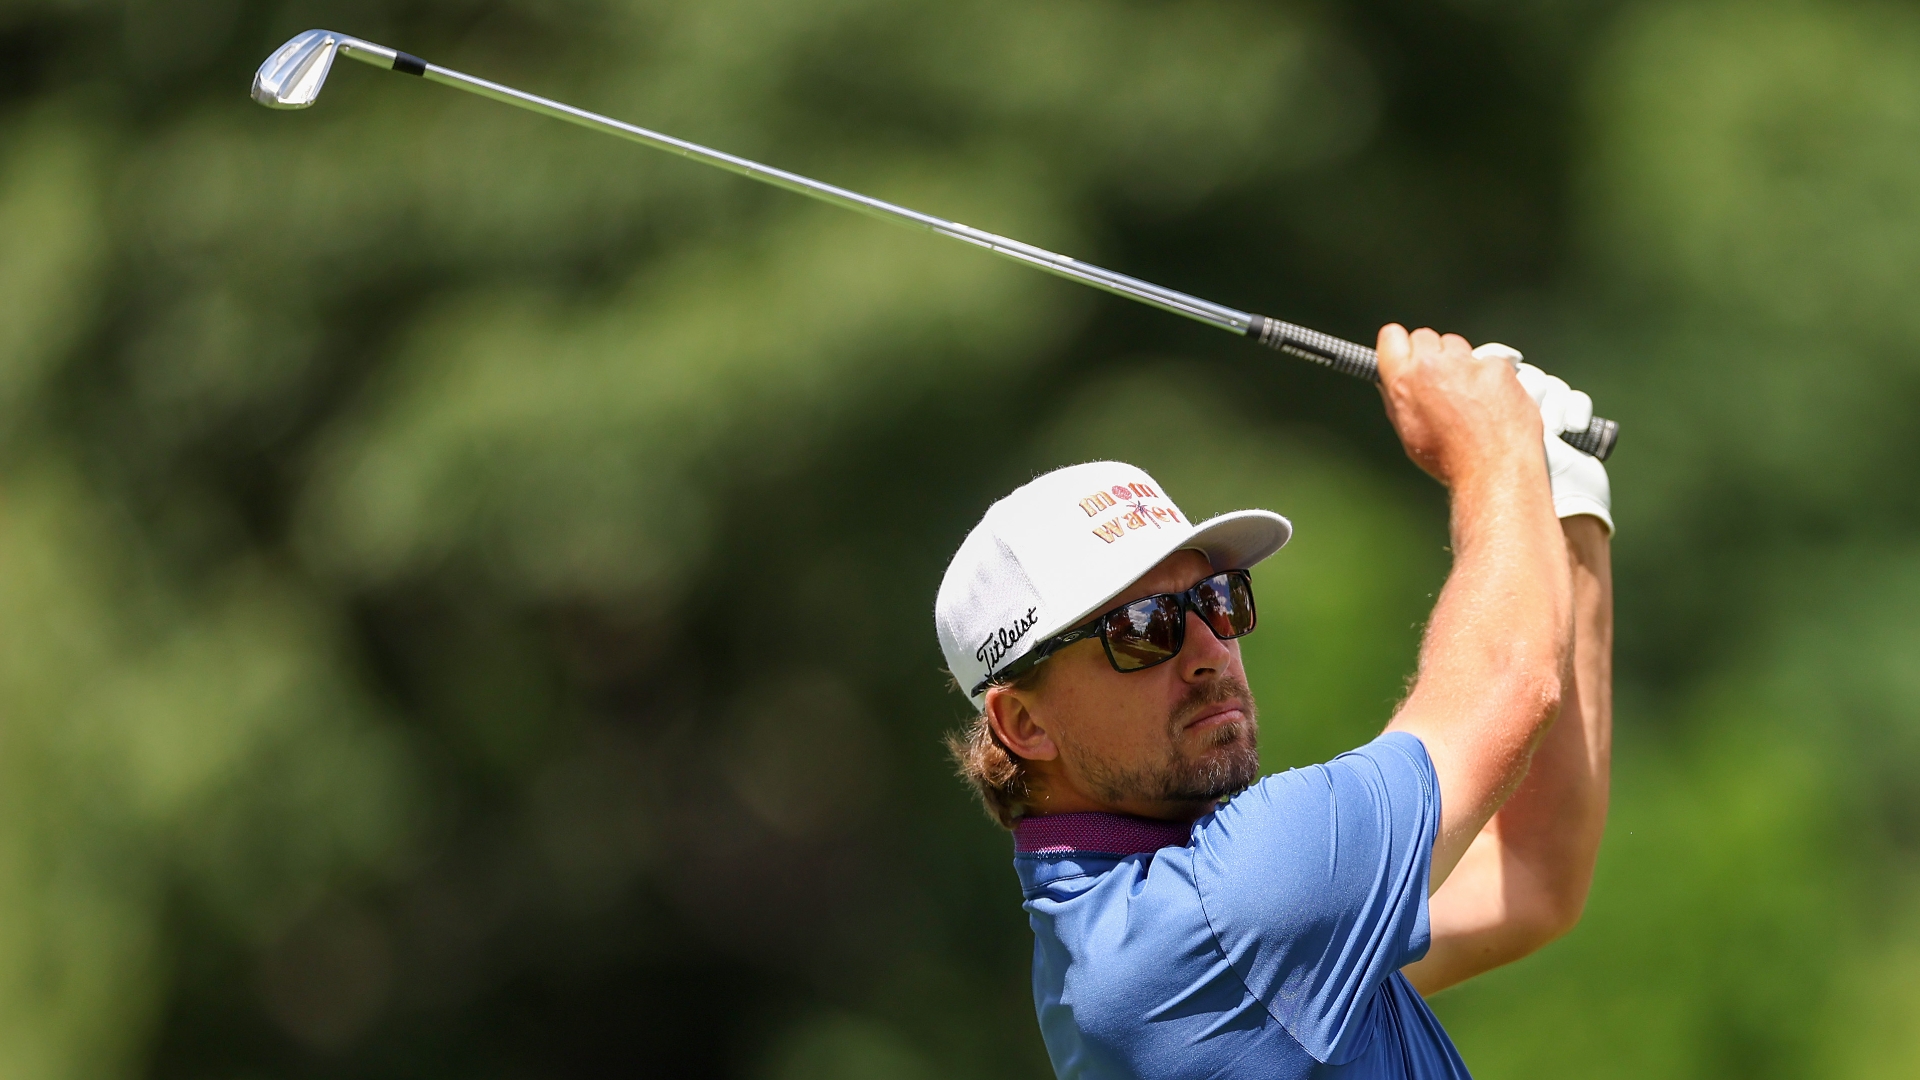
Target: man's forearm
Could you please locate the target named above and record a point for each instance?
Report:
(1492, 667)
(1524, 881)
(1494, 658)
(1555, 820)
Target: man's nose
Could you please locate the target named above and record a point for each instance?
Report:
(1202, 654)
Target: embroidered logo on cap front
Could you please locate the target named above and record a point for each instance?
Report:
(1100, 500)
(1138, 514)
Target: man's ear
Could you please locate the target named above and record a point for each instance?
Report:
(1010, 714)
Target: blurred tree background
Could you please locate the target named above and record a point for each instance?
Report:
(465, 583)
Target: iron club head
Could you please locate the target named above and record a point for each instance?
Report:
(291, 78)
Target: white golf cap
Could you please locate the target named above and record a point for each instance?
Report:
(1057, 550)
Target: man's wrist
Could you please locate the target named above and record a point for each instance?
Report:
(1515, 471)
(1574, 507)
(1496, 501)
(1589, 532)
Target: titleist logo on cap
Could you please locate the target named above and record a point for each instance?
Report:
(996, 646)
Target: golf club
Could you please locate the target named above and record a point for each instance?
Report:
(292, 77)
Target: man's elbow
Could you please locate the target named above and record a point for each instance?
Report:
(1552, 915)
(1540, 672)
(1537, 691)
(1563, 914)
(1551, 691)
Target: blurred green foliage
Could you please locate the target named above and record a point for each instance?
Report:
(464, 582)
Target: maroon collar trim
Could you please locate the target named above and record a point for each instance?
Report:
(1096, 833)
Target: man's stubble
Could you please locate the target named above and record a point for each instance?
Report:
(1227, 763)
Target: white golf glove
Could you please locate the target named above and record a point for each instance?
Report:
(1579, 480)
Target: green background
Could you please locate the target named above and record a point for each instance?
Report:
(465, 582)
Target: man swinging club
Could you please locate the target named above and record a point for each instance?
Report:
(1291, 930)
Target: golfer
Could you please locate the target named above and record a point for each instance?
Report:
(1193, 920)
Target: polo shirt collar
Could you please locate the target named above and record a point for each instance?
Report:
(1117, 835)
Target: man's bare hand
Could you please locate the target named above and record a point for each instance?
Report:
(1459, 416)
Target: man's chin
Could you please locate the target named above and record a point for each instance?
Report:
(1229, 764)
(1227, 736)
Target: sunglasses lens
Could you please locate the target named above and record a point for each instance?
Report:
(1144, 633)
(1226, 602)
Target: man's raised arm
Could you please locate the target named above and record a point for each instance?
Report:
(1524, 881)
(1493, 664)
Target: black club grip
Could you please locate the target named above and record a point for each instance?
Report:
(1360, 362)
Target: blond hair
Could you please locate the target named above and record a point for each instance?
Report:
(998, 776)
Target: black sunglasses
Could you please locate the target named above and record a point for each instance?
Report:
(1151, 630)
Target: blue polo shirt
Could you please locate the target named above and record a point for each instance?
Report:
(1266, 941)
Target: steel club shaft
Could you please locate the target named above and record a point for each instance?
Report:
(291, 78)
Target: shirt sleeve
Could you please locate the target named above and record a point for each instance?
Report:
(1314, 882)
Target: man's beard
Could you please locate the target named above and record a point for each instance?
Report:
(1227, 763)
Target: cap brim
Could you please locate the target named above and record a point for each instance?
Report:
(1238, 540)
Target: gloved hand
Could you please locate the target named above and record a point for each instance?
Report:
(1579, 480)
